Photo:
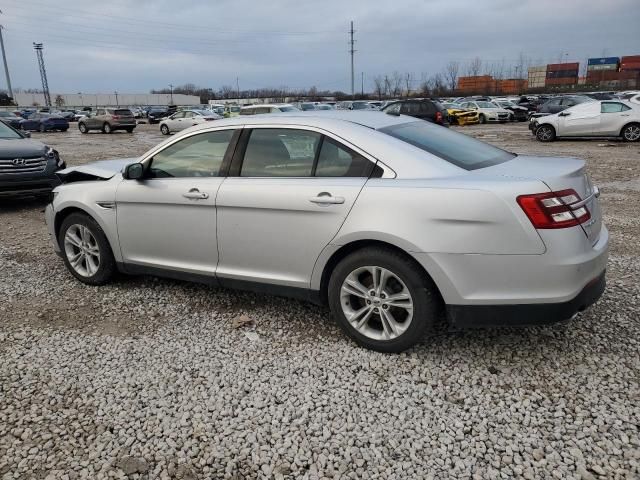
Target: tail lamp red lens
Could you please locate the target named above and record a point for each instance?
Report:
(554, 209)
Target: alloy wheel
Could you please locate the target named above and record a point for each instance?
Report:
(544, 133)
(632, 133)
(376, 302)
(82, 250)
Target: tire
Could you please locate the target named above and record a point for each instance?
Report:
(402, 276)
(64, 129)
(106, 128)
(82, 127)
(91, 269)
(631, 132)
(129, 130)
(164, 129)
(42, 128)
(483, 119)
(546, 133)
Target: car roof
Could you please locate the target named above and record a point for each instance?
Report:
(268, 105)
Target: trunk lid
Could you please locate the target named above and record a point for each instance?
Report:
(558, 173)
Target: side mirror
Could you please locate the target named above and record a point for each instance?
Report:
(26, 134)
(564, 114)
(133, 171)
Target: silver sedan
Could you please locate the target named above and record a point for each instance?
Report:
(391, 221)
(606, 118)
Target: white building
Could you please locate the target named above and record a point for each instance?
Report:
(106, 99)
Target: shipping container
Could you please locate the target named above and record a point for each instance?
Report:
(630, 58)
(603, 61)
(610, 66)
(541, 68)
(630, 65)
(551, 82)
(562, 74)
(554, 67)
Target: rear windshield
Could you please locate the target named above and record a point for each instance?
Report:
(456, 148)
(7, 132)
(123, 112)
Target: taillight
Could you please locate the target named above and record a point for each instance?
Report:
(115, 117)
(438, 117)
(561, 209)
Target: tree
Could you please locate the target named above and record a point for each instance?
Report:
(396, 84)
(408, 79)
(474, 67)
(378, 86)
(451, 74)
(59, 101)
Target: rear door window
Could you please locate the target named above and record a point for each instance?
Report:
(456, 148)
(613, 107)
(336, 160)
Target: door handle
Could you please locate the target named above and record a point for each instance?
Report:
(195, 194)
(326, 198)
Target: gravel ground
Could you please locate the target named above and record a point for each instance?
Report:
(149, 378)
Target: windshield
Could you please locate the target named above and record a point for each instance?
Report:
(8, 133)
(456, 148)
(360, 106)
(6, 114)
(486, 105)
(288, 109)
(451, 105)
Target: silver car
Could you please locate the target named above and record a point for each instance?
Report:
(389, 220)
(186, 118)
(605, 118)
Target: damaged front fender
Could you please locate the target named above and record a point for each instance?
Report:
(102, 170)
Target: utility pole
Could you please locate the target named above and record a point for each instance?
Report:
(362, 74)
(238, 87)
(6, 67)
(171, 90)
(352, 51)
(38, 47)
(117, 104)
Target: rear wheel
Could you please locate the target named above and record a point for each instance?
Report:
(42, 128)
(546, 133)
(130, 130)
(83, 128)
(382, 300)
(85, 250)
(106, 128)
(482, 118)
(631, 132)
(164, 129)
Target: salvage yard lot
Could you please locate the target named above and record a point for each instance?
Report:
(149, 377)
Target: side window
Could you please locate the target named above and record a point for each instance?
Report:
(336, 160)
(247, 111)
(188, 114)
(196, 156)
(394, 108)
(613, 107)
(260, 110)
(280, 152)
(404, 108)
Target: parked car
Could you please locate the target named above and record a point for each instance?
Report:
(108, 120)
(156, 114)
(27, 167)
(185, 119)
(612, 118)
(488, 112)
(355, 105)
(68, 115)
(325, 106)
(461, 116)
(10, 119)
(392, 221)
(558, 104)
(43, 122)
(518, 113)
(80, 114)
(425, 109)
(267, 108)
(307, 106)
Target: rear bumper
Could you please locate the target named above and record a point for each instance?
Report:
(478, 316)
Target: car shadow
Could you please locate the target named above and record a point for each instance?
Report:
(19, 204)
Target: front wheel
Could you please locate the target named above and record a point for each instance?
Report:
(631, 133)
(164, 129)
(483, 119)
(86, 251)
(42, 128)
(546, 133)
(382, 299)
(130, 130)
(83, 128)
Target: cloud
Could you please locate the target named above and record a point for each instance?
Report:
(135, 46)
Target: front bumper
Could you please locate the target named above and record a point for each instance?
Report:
(28, 187)
(49, 220)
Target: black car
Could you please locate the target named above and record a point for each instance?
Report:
(558, 104)
(156, 114)
(425, 109)
(27, 167)
(518, 113)
(10, 118)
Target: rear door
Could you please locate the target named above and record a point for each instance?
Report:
(613, 116)
(287, 194)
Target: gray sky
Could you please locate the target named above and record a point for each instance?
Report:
(133, 46)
